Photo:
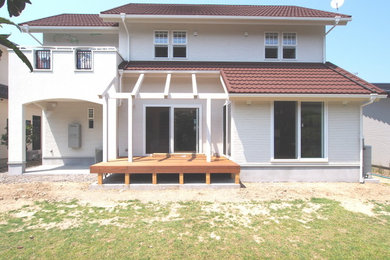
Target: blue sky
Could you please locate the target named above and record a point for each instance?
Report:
(361, 47)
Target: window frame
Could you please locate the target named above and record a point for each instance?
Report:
(89, 118)
(298, 158)
(161, 44)
(35, 59)
(272, 45)
(75, 51)
(289, 46)
(179, 44)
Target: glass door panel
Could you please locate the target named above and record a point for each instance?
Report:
(186, 130)
(157, 130)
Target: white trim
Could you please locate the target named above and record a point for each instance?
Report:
(137, 85)
(222, 17)
(172, 72)
(68, 28)
(105, 128)
(171, 125)
(130, 129)
(119, 95)
(223, 85)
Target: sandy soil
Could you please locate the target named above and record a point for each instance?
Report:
(16, 191)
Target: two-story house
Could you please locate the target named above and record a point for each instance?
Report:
(250, 83)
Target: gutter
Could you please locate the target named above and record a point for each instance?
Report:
(373, 98)
(123, 17)
(26, 29)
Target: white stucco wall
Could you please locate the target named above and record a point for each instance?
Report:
(55, 124)
(376, 129)
(223, 42)
(4, 66)
(3, 124)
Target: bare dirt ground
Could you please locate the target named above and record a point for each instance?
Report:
(16, 191)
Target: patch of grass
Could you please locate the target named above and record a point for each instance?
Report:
(300, 229)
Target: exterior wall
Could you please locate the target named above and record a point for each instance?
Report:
(55, 135)
(376, 129)
(4, 66)
(3, 124)
(79, 39)
(251, 145)
(223, 42)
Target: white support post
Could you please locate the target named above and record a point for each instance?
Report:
(105, 126)
(16, 139)
(112, 143)
(137, 85)
(208, 131)
(167, 85)
(130, 129)
(194, 85)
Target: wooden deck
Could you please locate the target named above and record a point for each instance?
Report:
(164, 164)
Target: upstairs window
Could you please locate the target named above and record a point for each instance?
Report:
(43, 59)
(83, 59)
(161, 43)
(91, 115)
(271, 45)
(179, 46)
(289, 45)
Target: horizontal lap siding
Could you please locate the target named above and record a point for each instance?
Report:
(251, 126)
(344, 127)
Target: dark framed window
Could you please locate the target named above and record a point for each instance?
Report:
(161, 42)
(288, 126)
(83, 59)
(179, 43)
(43, 59)
(289, 45)
(271, 45)
(161, 51)
(91, 116)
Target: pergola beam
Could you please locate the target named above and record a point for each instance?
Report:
(194, 85)
(167, 85)
(137, 86)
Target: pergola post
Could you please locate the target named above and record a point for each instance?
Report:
(112, 143)
(105, 125)
(130, 129)
(208, 130)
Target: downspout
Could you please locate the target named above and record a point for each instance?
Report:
(26, 29)
(337, 21)
(123, 16)
(373, 97)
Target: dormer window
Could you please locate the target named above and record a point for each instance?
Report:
(289, 45)
(179, 42)
(43, 59)
(84, 59)
(161, 42)
(271, 45)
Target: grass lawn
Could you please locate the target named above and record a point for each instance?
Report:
(300, 229)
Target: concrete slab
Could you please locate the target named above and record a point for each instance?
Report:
(58, 169)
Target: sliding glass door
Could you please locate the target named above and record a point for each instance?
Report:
(172, 130)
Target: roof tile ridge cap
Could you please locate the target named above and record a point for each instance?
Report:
(227, 83)
(349, 76)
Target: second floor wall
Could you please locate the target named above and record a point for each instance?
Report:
(4, 66)
(222, 42)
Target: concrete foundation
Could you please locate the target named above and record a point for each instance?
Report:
(87, 161)
(16, 168)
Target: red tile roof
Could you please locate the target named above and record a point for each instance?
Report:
(271, 78)
(71, 20)
(222, 10)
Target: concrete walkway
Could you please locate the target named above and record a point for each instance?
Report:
(58, 169)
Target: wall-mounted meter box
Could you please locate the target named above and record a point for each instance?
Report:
(74, 135)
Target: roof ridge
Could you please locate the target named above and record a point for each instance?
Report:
(331, 65)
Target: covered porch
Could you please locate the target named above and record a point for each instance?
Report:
(179, 166)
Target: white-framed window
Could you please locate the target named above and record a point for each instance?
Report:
(91, 116)
(42, 59)
(84, 59)
(161, 44)
(299, 130)
(271, 45)
(179, 44)
(289, 45)
(170, 44)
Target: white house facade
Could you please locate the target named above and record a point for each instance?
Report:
(250, 83)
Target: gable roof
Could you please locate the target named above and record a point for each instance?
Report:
(222, 10)
(270, 78)
(87, 20)
(3, 91)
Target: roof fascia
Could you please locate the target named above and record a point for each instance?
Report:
(327, 21)
(37, 29)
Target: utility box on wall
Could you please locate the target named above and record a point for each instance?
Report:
(74, 135)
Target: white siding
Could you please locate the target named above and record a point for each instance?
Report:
(223, 42)
(251, 126)
(376, 122)
(344, 127)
